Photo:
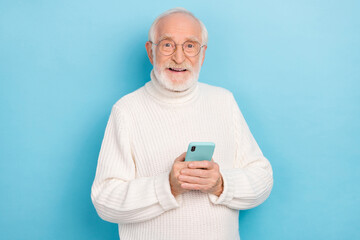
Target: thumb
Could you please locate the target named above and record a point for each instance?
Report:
(181, 158)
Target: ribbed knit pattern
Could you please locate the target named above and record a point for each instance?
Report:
(146, 131)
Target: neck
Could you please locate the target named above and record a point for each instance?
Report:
(155, 89)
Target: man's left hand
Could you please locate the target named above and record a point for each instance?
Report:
(202, 175)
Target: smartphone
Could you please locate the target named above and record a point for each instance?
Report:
(199, 151)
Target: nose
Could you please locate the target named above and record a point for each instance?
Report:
(178, 56)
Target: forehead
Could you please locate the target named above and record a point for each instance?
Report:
(180, 27)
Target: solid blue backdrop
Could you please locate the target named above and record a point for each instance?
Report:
(293, 66)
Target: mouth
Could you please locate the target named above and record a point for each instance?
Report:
(178, 69)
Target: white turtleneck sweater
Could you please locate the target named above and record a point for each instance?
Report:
(146, 131)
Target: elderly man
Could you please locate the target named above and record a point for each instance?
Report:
(142, 181)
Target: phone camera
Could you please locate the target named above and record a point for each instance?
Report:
(193, 148)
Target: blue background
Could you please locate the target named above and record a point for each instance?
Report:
(293, 66)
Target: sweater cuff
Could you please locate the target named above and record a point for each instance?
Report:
(163, 192)
(228, 191)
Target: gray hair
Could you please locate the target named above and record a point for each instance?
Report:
(204, 32)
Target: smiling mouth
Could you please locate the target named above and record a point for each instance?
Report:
(177, 69)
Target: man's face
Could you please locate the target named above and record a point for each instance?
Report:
(176, 72)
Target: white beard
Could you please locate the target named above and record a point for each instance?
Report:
(177, 87)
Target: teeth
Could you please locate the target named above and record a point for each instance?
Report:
(178, 69)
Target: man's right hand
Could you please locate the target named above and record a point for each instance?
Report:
(175, 184)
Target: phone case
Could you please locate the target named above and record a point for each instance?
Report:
(199, 151)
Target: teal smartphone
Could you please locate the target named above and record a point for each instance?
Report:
(199, 151)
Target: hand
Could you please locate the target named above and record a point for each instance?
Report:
(175, 183)
(202, 175)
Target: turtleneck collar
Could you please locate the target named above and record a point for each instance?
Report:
(155, 89)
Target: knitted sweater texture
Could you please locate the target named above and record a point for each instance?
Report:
(146, 131)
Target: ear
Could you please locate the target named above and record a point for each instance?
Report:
(148, 46)
(204, 49)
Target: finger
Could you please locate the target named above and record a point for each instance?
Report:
(193, 180)
(181, 158)
(201, 164)
(190, 186)
(195, 172)
(180, 182)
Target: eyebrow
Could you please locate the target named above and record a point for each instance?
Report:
(193, 38)
(165, 36)
(169, 36)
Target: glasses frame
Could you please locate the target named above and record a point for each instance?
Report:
(182, 46)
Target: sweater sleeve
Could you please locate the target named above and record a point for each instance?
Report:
(118, 195)
(250, 181)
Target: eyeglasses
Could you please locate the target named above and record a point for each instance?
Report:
(167, 47)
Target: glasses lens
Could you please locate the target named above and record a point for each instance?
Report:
(166, 47)
(191, 48)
